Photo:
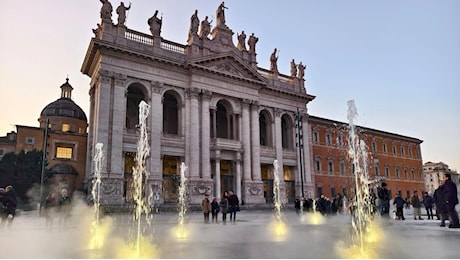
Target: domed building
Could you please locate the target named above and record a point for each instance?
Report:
(63, 126)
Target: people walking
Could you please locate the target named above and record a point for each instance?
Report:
(440, 203)
(215, 208)
(224, 206)
(8, 203)
(206, 208)
(384, 200)
(450, 196)
(428, 202)
(65, 206)
(49, 210)
(415, 202)
(399, 202)
(233, 204)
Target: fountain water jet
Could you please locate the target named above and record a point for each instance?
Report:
(181, 233)
(279, 228)
(361, 208)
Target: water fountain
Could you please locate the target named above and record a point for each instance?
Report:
(279, 228)
(364, 230)
(181, 232)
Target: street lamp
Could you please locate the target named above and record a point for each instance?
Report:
(45, 146)
(299, 144)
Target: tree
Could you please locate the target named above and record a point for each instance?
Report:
(22, 171)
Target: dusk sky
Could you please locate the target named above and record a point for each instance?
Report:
(398, 60)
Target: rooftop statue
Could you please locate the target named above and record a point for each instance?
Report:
(194, 23)
(273, 61)
(301, 70)
(241, 41)
(252, 43)
(293, 69)
(121, 11)
(106, 11)
(220, 14)
(155, 24)
(205, 28)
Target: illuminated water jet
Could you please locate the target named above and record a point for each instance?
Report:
(279, 227)
(181, 232)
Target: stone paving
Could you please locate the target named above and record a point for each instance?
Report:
(250, 236)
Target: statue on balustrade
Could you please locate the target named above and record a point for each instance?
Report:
(220, 14)
(293, 69)
(273, 61)
(252, 43)
(194, 23)
(241, 41)
(155, 24)
(301, 70)
(121, 11)
(106, 11)
(205, 28)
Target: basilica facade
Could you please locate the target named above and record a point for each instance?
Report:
(211, 108)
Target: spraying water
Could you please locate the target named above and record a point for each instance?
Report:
(97, 240)
(181, 233)
(279, 226)
(360, 203)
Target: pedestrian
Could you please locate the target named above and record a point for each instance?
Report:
(206, 207)
(224, 206)
(384, 200)
(233, 204)
(428, 202)
(49, 209)
(415, 202)
(215, 208)
(8, 204)
(450, 196)
(399, 202)
(65, 206)
(297, 206)
(440, 203)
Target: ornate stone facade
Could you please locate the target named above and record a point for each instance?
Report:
(207, 100)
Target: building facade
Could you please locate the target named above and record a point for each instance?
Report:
(392, 158)
(211, 108)
(433, 175)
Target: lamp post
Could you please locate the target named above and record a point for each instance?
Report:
(299, 144)
(45, 146)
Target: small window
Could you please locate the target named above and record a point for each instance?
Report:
(340, 140)
(64, 153)
(385, 148)
(374, 146)
(328, 139)
(316, 137)
(30, 140)
(65, 127)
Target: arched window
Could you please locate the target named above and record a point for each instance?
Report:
(223, 121)
(286, 132)
(265, 128)
(134, 96)
(170, 114)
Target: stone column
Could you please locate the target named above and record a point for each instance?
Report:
(246, 141)
(155, 125)
(186, 130)
(309, 182)
(255, 142)
(238, 174)
(217, 174)
(117, 122)
(205, 139)
(194, 167)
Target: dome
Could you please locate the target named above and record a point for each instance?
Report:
(64, 106)
(63, 169)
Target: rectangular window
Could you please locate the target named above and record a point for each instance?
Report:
(374, 146)
(328, 139)
(318, 166)
(333, 191)
(320, 190)
(65, 127)
(342, 167)
(30, 140)
(64, 153)
(394, 149)
(387, 171)
(385, 148)
(402, 151)
(330, 167)
(316, 137)
(340, 140)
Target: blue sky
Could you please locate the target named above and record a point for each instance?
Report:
(398, 60)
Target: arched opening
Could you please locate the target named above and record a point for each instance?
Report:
(170, 114)
(133, 98)
(286, 132)
(265, 131)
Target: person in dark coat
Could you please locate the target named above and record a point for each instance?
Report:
(9, 204)
(417, 205)
(440, 202)
(450, 196)
(224, 206)
(233, 204)
(215, 208)
(384, 200)
(297, 206)
(428, 202)
(399, 203)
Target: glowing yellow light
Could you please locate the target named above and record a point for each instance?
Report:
(99, 234)
(142, 249)
(181, 232)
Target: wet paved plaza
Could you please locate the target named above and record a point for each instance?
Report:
(251, 236)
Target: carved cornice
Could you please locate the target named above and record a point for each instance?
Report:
(278, 111)
(156, 87)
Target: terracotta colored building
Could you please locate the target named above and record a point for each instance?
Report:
(392, 158)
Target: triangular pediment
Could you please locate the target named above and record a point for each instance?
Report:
(228, 64)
